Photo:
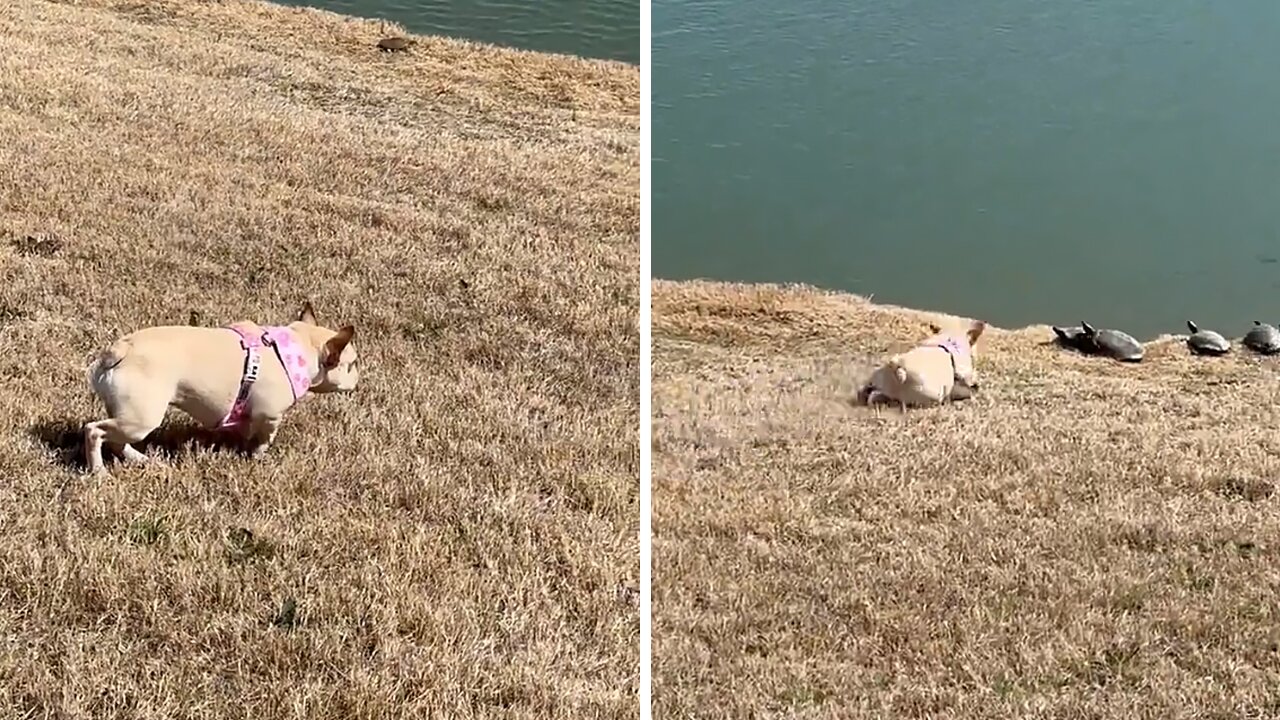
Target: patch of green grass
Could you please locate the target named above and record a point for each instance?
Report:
(146, 530)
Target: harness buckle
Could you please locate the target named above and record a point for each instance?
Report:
(253, 363)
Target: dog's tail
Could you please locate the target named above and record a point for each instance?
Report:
(98, 374)
(899, 370)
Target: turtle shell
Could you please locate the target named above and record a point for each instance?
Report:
(1115, 344)
(1263, 338)
(1119, 345)
(1206, 342)
(393, 44)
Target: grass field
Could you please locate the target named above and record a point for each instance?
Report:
(1083, 539)
(459, 535)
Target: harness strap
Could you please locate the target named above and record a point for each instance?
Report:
(252, 343)
(252, 364)
(253, 339)
(286, 347)
(953, 349)
(951, 354)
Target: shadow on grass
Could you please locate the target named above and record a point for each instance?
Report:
(64, 437)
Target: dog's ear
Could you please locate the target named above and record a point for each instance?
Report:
(975, 331)
(307, 314)
(334, 347)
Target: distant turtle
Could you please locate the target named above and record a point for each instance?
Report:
(1206, 342)
(394, 44)
(1263, 338)
(1115, 344)
(1074, 338)
(391, 43)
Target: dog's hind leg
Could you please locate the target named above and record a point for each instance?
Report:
(132, 455)
(93, 436)
(117, 433)
(132, 426)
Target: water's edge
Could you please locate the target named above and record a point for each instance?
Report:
(818, 291)
(557, 28)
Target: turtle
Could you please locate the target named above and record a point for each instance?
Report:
(391, 43)
(1263, 338)
(394, 44)
(1074, 338)
(1206, 342)
(1115, 344)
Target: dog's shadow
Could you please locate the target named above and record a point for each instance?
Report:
(64, 439)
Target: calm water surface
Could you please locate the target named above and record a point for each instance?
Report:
(591, 28)
(1023, 161)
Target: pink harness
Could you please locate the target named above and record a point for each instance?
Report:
(291, 356)
(960, 358)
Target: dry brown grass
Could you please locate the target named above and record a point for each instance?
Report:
(460, 534)
(1084, 539)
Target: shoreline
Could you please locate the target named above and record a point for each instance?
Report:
(396, 27)
(300, 32)
(805, 289)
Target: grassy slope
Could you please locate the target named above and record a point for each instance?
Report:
(460, 534)
(1083, 539)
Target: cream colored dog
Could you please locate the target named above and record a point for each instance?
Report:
(939, 369)
(243, 378)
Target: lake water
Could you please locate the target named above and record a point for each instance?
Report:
(1023, 161)
(591, 28)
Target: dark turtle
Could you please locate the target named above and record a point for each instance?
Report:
(1115, 344)
(1206, 342)
(391, 43)
(1074, 338)
(1263, 338)
(394, 44)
